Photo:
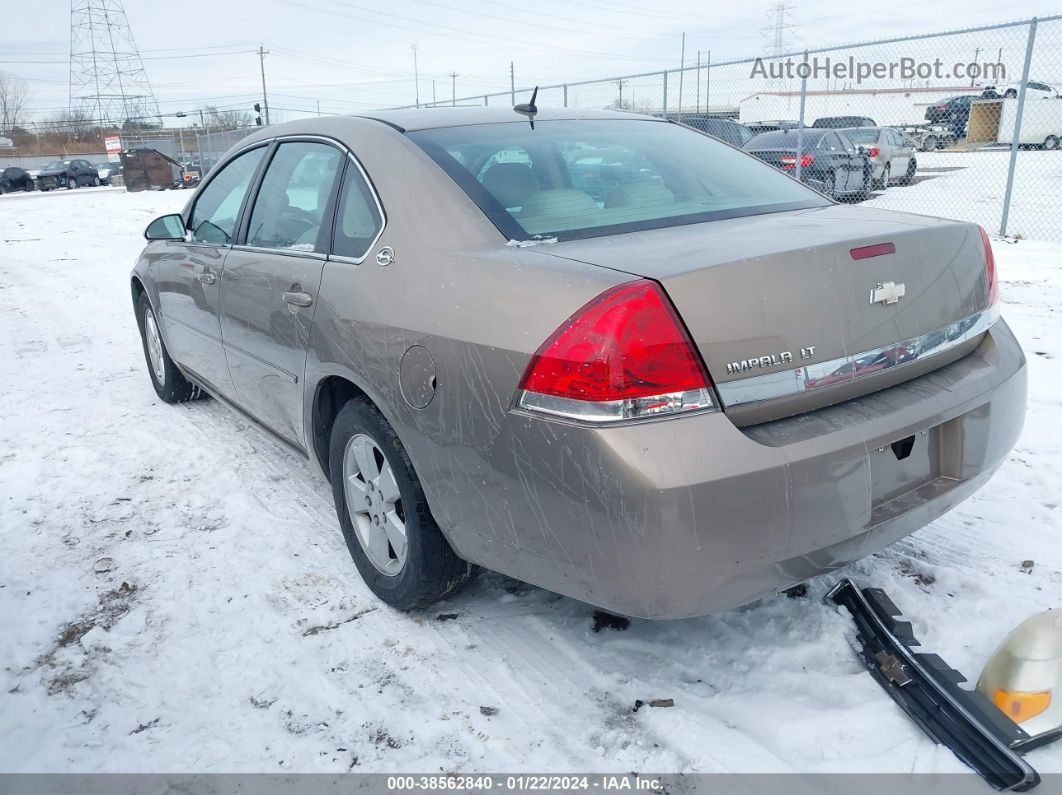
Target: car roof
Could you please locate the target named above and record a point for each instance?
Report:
(430, 118)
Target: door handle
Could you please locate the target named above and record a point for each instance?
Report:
(206, 277)
(298, 298)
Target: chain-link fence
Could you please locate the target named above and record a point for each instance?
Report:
(193, 149)
(969, 121)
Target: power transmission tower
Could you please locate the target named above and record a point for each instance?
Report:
(779, 14)
(108, 84)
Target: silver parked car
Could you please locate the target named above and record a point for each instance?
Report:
(892, 156)
(604, 354)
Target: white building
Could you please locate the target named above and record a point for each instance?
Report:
(887, 106)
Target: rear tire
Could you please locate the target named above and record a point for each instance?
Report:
(1051, 142)
(929, 143)
(912, 167)
(886, 175)
(170, 384)
(95, 182)
(364, 445)
(829, 185)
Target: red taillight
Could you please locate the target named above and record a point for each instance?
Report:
(874, 152)
(990, 269)
(789, 161)
(623, 355)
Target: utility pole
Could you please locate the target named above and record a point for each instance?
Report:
(977, 52)
(512, 83)
(262, 52)
(416, 76)
(708, 84)
(682, 73)
(453, 89)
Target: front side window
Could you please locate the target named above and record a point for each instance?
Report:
(213, 218)
(358, 219)
(290, 207)
(596, 177)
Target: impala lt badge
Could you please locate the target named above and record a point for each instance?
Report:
(888, 293)
(771, 360)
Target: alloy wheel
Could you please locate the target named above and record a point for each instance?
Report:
(374, 504)
(154, 346)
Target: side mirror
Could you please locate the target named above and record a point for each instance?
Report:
(167, 227)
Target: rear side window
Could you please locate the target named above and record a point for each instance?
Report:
(290, 207)
(358, 220)
(213, 217)
(595, 177)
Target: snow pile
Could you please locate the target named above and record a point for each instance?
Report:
(175, 594)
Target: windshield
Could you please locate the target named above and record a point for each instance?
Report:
(570, 179)
(57, 165)
(862, 136)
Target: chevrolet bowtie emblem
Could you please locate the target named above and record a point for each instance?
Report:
(888, 293)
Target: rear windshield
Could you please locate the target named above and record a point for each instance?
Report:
(862, 136)
(784, 139)
(571, 179)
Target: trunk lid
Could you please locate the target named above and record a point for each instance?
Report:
(781, 295)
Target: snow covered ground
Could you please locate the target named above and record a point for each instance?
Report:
(175, 594)
(971, 186)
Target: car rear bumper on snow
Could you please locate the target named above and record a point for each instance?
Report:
(688, 516)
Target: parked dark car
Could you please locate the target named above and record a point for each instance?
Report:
(829, 161)
(758, 127)
(725, 130)
(67, 173)
(840, 122)
(107, 169)
(15, 178)
(953, 111)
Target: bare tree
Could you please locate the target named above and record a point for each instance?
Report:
(13, 96)
(226, 119)
(74, 125)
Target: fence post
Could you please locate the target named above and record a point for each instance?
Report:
(485, 102)
(1017, 128)
(565, 95)
(800, 126)
(664, 73)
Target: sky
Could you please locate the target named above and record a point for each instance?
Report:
(344, 56)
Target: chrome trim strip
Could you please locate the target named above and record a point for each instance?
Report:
(604, 411)
(796, 381)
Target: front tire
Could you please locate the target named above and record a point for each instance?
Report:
(71, 184)
(95, 182)
(1051, 142)
(170, 384)
(392, 537)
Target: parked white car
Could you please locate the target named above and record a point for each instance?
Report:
(892, 157)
